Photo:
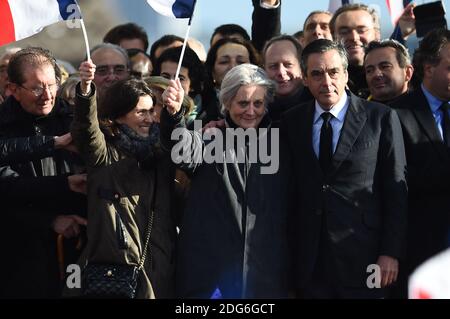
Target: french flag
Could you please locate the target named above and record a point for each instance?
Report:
(178, 9)
(333, 5)
(23, 18)
(396, 8)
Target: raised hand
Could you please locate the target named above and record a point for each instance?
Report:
(87, 72)
(173, 96)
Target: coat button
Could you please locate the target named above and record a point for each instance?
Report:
(116, 195)
(325, 187)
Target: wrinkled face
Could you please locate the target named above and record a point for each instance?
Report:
(37, 94)
(282, 66)
(385, 78)
(111, 67)
(163, 48)
(356, 29)
(317, 27)
(437, 78)
(228, 56)
(141, 117)
(169, 69)
(132, 44)
(247, 107)
(326, 78)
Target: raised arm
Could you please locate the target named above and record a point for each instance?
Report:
(266, 22)
(86, 132)
(186, 147)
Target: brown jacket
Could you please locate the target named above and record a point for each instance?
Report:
(120, 197)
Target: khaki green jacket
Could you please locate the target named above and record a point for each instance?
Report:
(120, 196)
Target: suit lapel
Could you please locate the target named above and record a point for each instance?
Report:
(425, 118)
(304, 136)
(354, 122)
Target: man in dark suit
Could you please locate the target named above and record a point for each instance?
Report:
(350, 195)
(424, 116)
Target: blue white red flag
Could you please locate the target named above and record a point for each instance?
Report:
(23, 18)
(178, 9)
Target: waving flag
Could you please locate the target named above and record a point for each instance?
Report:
(396, 8)
(23, 18)
(178, 9)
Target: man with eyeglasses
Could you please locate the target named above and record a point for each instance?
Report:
(355, 26)
(36, 164)
(112, 64)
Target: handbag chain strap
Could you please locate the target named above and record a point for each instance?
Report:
(149, 230)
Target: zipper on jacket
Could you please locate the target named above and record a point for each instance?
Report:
(121, 233)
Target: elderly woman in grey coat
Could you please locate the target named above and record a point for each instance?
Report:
(233, 238)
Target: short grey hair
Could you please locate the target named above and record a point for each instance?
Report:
(114, 47)
(245, 74)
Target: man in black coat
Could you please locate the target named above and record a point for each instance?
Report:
(32, 123)
(423, 115)
(349, 206)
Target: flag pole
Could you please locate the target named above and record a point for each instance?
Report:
(185, 42)
(83, 28)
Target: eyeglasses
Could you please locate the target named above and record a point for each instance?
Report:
(343, 32)
(118, 69)
(37, 92)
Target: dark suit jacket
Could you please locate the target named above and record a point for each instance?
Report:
(364, 196)
(428, 179)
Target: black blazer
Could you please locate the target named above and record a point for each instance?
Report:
(364, 196)
(428, 178)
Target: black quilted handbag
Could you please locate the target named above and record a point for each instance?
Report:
(114, 281)
(110, 281)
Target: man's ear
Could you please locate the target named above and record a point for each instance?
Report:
(409, 69)
(14, 89)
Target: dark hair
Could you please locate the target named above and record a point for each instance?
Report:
(401, 53)
(121, 98)
(227, 30)
(34, 57)
(190, 62)
(165, 40)
(212, 57)
(314, 13)
(126, 31)
(284, 37)
(429, 50)
(322, 46)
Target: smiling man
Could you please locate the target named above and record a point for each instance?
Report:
(32, 121)
(282, 64)
(388, 70)
(356, 25)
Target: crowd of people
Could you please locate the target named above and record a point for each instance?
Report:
(120, 167)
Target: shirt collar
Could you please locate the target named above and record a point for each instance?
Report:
(338, 110)
(434, 102)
